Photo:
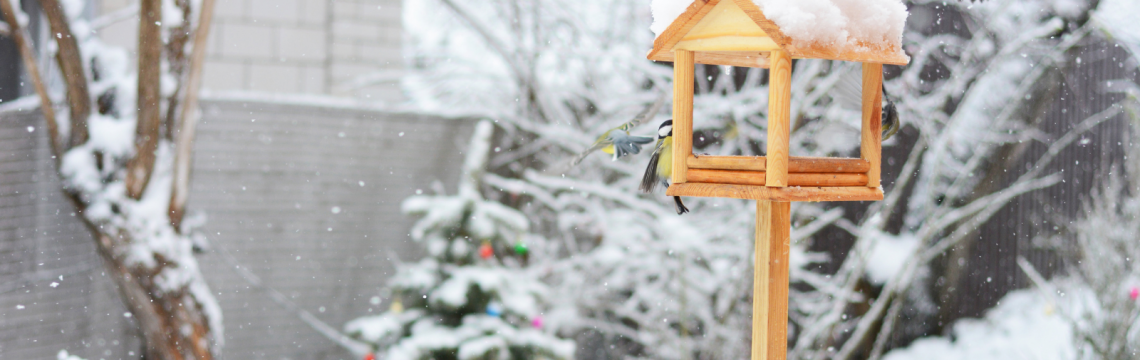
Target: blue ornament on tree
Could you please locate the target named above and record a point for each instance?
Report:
(494, 310)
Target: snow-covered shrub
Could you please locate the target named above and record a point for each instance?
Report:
(471, 298)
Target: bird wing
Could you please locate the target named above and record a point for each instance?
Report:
(848, 89)
(582, 155)
(648, 113)
(625, 144)
(650, 179)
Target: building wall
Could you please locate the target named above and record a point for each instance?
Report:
(348, 48)
(281, 189)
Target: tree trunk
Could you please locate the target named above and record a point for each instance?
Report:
(174, 324)
(71, 65)
(149, 110)
(176, 320)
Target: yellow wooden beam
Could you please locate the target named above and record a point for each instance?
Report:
(770, 281)
(682, 113)
(871, 141)
(796, 164)
(779, 110)
(792, 193)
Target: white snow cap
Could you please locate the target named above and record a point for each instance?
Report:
(838, 23)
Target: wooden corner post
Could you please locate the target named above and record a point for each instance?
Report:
(683, 67)
(779, 112)
(871, 143)
(770, 281)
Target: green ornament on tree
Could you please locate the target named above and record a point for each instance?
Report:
(520, 248)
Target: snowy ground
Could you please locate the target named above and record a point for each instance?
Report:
(1024, 325)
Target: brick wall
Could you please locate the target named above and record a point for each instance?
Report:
(296, 46)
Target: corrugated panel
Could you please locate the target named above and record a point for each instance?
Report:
(268, 176)
(1026, 225)
(41, 243)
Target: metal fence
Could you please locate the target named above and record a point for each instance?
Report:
(306, 195)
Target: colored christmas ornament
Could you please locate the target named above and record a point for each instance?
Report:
(494, 310)
(370, 356)
(485, 250)
(520, 248)
(1134, 294)
(397, 307)
(536, 322)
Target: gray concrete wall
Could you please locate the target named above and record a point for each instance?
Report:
(268, 175)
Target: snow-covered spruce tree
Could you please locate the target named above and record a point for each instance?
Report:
(472, 297)
(633, 279)
(127, 178)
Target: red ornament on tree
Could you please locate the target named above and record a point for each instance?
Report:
(369, 356)
(485, 250)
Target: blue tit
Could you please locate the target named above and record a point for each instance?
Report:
(617, 141)
(660, 168)
(889, 116)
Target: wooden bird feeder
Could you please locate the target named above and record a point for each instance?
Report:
(736, 33)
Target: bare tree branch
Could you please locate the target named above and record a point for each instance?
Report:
(23, 42)
(108, 19)
(149, 118)
(177, 64)
(184, 145)
(71, 65)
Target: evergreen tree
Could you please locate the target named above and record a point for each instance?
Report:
(471, 298)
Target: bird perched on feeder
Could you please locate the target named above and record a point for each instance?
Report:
(889, 116)
(617, 141)
(660, 168)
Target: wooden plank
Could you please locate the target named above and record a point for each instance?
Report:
(728, 43)
(725, 18)
(664, 44)
(681, 26)
(682, 114)
(874, 53)
(881, 56)
(755, 59)
(759, 281)
(796, 164)
(779, 110)
(756, 178)
(725, 28)
(779, 242)
(871, 142)
(793, 193)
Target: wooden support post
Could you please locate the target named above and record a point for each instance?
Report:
(871, 143)
(682, 114)
(779, 111)
(770, 281)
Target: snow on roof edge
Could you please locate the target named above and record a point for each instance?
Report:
(846, 24)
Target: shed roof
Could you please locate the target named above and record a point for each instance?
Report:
(740, 32)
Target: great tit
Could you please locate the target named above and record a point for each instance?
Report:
(617, 141)
(889, 116)
(660, 168)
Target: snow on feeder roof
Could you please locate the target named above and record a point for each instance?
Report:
(740, 32)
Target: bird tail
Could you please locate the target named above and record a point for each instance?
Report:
(650, 179)
(679, 206)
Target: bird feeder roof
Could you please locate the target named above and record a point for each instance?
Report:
(742, 32)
